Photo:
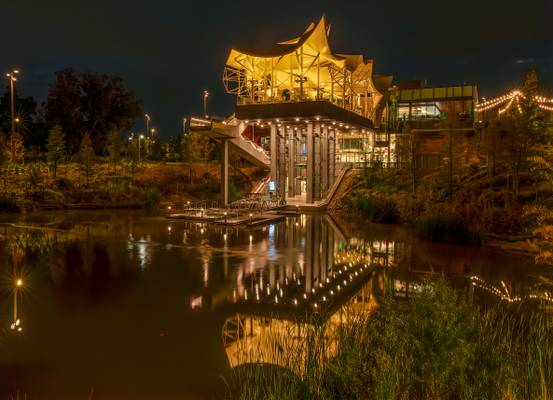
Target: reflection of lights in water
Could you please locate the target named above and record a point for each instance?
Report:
(225, 237)
(196, 302)
(206, 273)
(16, 326)
(505, 293)
(272, 230)
(184, 237)
(169, 229)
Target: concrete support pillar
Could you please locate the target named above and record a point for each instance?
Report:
(324, 161)
(332, 157)
(291, 162)
(330, 251)
(308, 254)
(281, 162)
(310, 164)
(274, 154)
(317, 162)
(299, 141)
(316, 251)
(224, 173)
(324, 245)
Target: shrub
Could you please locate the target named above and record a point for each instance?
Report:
(502, 220)
(436, 345)
(152, 199)
(376, 209)
(447, 228)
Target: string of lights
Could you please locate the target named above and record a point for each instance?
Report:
(512, 97)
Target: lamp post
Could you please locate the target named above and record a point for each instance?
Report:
(12, 76)
(184, 125)
(206, 95)
(139, 148)
(147, 118)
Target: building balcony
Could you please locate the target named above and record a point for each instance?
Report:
(317, 109)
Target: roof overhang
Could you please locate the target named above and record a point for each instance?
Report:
(305, 110)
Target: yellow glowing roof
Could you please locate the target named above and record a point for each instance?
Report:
(313, 41)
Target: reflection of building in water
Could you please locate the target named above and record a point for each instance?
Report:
(265, 339)
(505, 293)
(317, 254)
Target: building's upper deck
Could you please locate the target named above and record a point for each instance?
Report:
(305, 69)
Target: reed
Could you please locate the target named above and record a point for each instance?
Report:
(435, 346)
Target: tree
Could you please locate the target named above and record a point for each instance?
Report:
(197, 148)
(3, 151)
(55, 147)
(115, 148)
(132, 153)
(522, 130)
(15, 148)
(86, 154)
(154, 149)
(90, 102)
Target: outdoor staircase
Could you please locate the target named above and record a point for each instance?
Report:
(232, 131)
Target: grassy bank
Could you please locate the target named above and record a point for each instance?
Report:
(433, 346)
(32, 186)
(477, 207)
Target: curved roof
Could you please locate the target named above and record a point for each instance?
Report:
(315, 36)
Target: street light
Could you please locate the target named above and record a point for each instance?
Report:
(140, 138)
(147, 118)
(184, 125)
(206, 95)
(12, 76)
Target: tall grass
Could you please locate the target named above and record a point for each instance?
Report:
(374, 208)
(433, 346)
(447, 228)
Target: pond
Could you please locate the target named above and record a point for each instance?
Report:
(122, 305)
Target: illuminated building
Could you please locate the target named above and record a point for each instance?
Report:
(308, 106)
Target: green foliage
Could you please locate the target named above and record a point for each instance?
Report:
(448, 228)
(90, 102)
(154, 149)
(55, 147)
(152, 199)
(197, 148)
(433, 346)
(86, 154)
(34, 175)
(375, 208)
(3, 150)
(16, 151)
(117, 189)
(115, 148)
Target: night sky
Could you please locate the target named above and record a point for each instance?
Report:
(168, 52)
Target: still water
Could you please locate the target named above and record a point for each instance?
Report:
(119, 305)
